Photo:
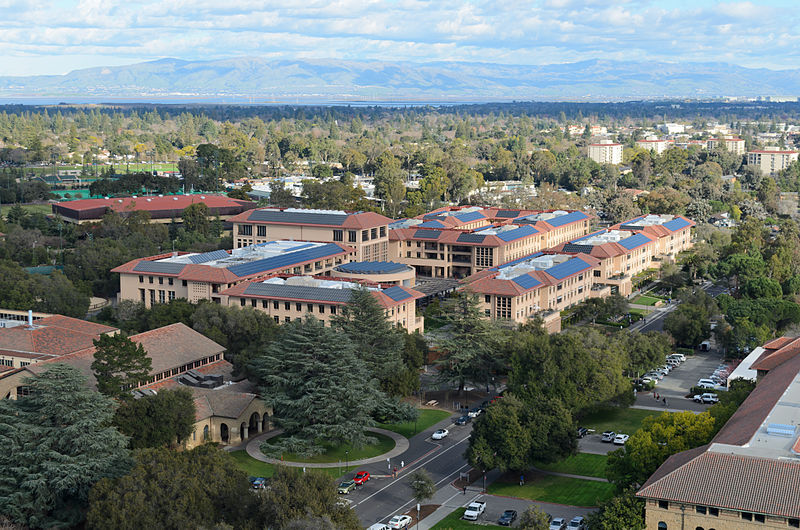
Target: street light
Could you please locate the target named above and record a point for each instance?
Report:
(347, 461)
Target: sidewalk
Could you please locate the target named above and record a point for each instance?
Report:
(449, 498)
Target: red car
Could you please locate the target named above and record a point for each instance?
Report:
(361, 477)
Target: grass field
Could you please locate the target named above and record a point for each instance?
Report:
(561, 490)
(257, 468)
(637, 311)
(621, 420)
(427, 417)
(585, 464)
(344, 452)
(454, 522)
(646, 300)
(34, 208)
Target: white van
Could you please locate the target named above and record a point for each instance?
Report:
(705, 346)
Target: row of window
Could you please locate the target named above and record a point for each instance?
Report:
(163, 296)
(714, 512)
(170, 281)
(287, 306)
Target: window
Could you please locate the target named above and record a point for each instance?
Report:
(245, 230)
(338, 235)
(487, 312)
(171, 280)
(747, 516)
(487, 298)
(374, 233)
(713, 511)
(383, 231)
(664, 505)
(274, 304)
(700, 509)
(141, 279)
(321, 308)
(759, 517)
(352, 236)
(253, 302)
(333, 310)
(794, 523)
(596, 274)
(242, 302)
(298, 306)
(287, 319)
(184, 283)
(287, 306)
(264, 304)
(310, 308)
(152, 296)
(261, 231)
(365, 235)
(277, 320)
(171, 295)
(698, 528)
(161, 280)
(149, 279)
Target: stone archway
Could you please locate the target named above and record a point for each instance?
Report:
(206, 437)
(224, 432)
(243, 431)
(254, 425)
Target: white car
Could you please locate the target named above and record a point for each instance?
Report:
(647, 379)
(608, 436)
(681, 357)
(708, 397)
(620, 439)
(474, 510)
(559, 523)
(441, 433)
(400, 521)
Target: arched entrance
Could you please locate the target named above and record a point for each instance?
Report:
(206, 438)
(243, 431)
(255, 423)
(223, 432)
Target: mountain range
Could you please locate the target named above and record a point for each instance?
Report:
(266, 80)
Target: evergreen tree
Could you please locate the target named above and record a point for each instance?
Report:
(57, 442)
(157, 421)
(119, 363)
(319, 389)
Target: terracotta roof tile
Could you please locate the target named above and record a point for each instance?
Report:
(54, 335)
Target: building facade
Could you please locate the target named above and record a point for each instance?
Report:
(733, 145)
(771, 161)
(193, 276)
(606, 152)
(671, 233)
(656, 146)
(366, 232)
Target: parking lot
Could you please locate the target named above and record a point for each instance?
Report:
(495, 506)
(675, 386)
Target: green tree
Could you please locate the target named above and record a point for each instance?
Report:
(621, 511)
(195, 218)
(533, 518)
(319, 389)
(174, 490)
(688, 324)
(761, 287)
(294, 496)
(501, 439)
(162, 420)
(279, 196)
(119, 364)
(422, 485)
(58, 442)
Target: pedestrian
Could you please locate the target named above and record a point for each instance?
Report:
(402, 464)
(465, 489)
(665, 401)
(522, 480)
(394, 473)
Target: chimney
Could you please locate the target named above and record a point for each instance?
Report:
(30, 317)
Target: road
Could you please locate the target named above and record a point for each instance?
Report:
(655, 320)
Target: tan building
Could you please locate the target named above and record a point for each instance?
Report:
(656, 146)
(606, 152)
(771, 161)
(537, 285)
(622, 255)
(366, 232)
(748, 477)
(733, 145)
(382, 272)
(292, 298)
(193, 276)
(435, 249)
(672, 233)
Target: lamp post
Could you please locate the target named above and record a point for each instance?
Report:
(347, 461)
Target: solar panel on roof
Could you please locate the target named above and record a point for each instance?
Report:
(566, 219)
(517, 233)
(282, 261)
(778, 429)
(636, 240)
(431, 224)
(427, 234)
(568, 268)
(471, 238)
(208, 256)
(526, 281)
(507, 213)
(469, 216)
(309, 218)
(159, 267)
(396, 293)
(299, 292)
(372, 267)
(676, 224)
(572, 248)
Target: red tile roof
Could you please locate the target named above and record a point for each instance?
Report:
(159, 207)
(359, 220)
(53, 336)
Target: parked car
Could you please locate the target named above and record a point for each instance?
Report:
(463, 420)
(347, 486)
(666, 368)
(681, 357)
(508, 517)
(608, 436)
(707, 386)
(647, 379)
(474, 412)
(258, 483)
(559, 523)
(705, 381)
(474, 510)
(440, 434)
(582, 431)
(620, 439)
(361, 477)
(378, 526)
(708, 397)
(400, 521)
(674, 363)
(577, 523)
(655, 375)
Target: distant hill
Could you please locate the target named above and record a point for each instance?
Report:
(334, 80)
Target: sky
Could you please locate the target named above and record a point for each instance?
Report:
(57, 36)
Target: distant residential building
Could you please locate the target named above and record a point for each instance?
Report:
(162, 208)
(366, 232)
(606, 152)
(733, 145)
(292, 297)
(657, 146)
(748, 476)
(672, 128)
(194, 276)
(577, 130)
(771, 160)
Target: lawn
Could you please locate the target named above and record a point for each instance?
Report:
(344, 452)
(552, 488)
(45, 209)
(257, 468)
(637, 311)
(454, 522)
(427, 417)
(646, 300)
(620, 419)
(585, 464)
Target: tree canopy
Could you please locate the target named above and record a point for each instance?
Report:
(163, 420)
(119, 364)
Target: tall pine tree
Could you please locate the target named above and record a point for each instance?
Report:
(119, 363)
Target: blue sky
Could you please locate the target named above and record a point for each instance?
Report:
(56, 36)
